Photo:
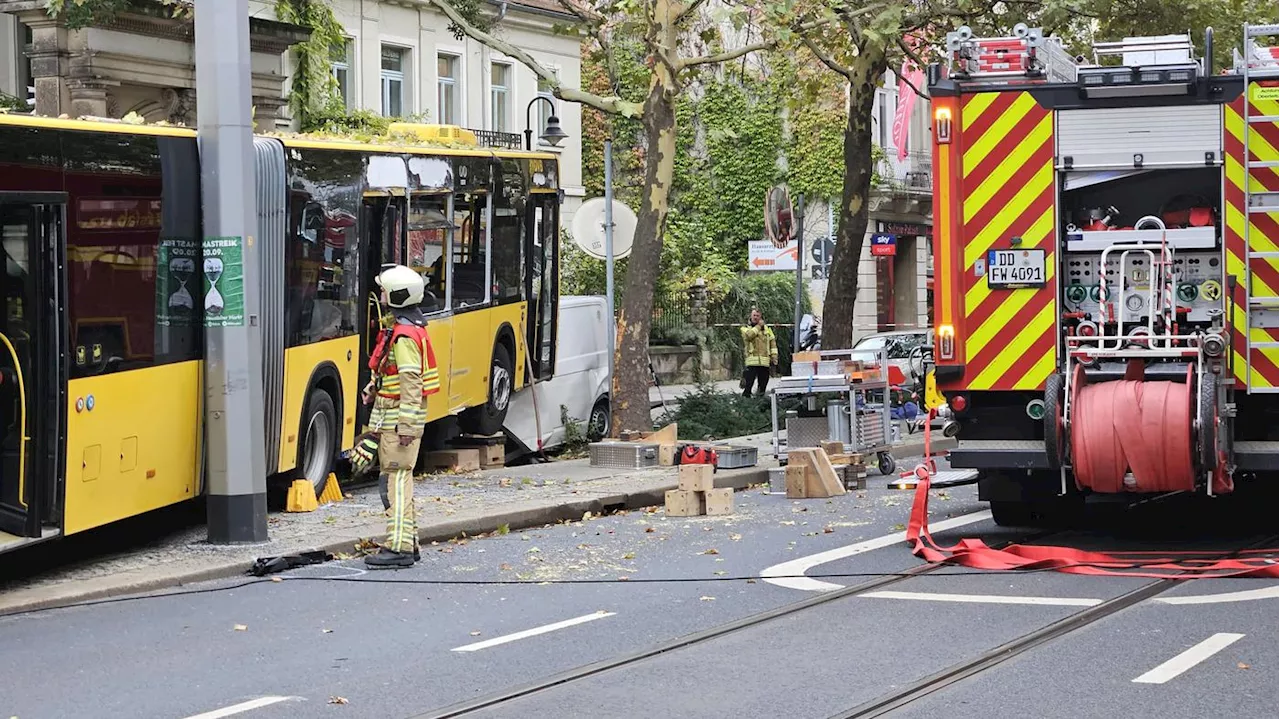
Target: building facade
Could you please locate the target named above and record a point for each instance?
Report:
(400, 60)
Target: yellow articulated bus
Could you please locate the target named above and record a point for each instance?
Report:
(105, 290)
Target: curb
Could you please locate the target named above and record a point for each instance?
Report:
(99, 588)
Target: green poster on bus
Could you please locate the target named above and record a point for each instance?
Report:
(176, 262)
(223, 282)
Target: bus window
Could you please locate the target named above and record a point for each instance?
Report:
(507, 248)
(133, 237)
(322, 252)
(428, 240)
(470, 282)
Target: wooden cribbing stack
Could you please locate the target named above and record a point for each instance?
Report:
(697, 494)
(810, 475)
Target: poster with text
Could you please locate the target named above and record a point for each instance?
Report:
(223, 282)
(176, 262)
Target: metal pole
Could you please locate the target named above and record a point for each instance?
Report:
(608, 255)
(799, 270)
(235, 462)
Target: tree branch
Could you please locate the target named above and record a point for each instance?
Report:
(612, 105)
(689, 9)
(589, 17)
(687, 63)
(903, 78)
(915, 57)
(826, 59)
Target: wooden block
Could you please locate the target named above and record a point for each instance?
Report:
(682, 503)
(827, 473)
(719, 501)
(806, 357)
(796, 481)
(697, 477)
(454, 460)
(666, 435)
(839, 459)
(492, 455)
(630, 435)
(820, 478)
(666, 455)
(833, 448)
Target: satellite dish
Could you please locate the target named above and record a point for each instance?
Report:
(588, 228)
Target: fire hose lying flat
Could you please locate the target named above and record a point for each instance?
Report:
(974, 553)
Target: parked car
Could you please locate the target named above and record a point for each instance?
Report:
(580, 383)
(898, 346)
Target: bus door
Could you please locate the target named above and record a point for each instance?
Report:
(542, 278)
(31, 367)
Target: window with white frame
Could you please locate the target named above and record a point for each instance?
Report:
(447, 89)
(545, 111)
(500, 96)
(340, 66)
(395, 63)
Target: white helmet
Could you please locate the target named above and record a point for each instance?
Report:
(404, 286)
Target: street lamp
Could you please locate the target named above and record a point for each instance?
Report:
(552, 133)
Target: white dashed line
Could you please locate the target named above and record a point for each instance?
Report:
(1272, 592)
(1189, 658)
(250, 705)
(533, 632)
(986, 599)
(787, 573)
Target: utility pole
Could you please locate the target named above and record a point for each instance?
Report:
(795, 330)
(608, 261)
(235, 466)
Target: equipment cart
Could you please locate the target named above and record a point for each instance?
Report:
(855, 411)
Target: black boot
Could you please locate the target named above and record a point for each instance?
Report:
(387, 559)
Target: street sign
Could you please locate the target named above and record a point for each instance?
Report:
(821, 250)
(884, 245)
(762, 256)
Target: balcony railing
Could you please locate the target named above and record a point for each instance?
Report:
(912, 175)
(504, 140)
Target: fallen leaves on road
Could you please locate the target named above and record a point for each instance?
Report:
(504, 529)
(788, 523)
(1242, 665)
(735, 537)
(504, 567)
(338, 700)
(504, 482)
(713, 550)
(898, 527)
(649, 530)
(330, 519)
(475, 634)
(706, 599)
(828, 529)
(241, 628)
(277, 579)
(629, 555)
(720, 572)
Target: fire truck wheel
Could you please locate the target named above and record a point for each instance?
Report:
(1013, 514)
(1207, 445)
(1053, 439)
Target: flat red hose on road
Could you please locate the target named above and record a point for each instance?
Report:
(974, 553)
(1127, 426)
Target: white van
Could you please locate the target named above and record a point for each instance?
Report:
(580, 384)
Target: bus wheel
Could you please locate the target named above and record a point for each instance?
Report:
(319, 439)
(487, 419)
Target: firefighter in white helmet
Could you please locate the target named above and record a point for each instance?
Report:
(404, 375)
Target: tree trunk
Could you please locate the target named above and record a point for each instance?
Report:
(631, 367)
(851, 230)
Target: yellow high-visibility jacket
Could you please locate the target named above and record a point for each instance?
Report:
(760, 346)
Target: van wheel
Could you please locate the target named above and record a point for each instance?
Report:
(317, 451)
(598, 425)
(487, 419)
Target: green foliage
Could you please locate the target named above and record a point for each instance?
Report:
(582, 274)
(313, 94)
(76, 14)
(709, 414)
(13, 103)
(575, 436)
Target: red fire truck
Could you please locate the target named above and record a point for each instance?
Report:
(1107, 268)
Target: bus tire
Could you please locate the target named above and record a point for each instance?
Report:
(487, 419)
(319, 434)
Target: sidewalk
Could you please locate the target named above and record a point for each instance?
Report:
(448, 507)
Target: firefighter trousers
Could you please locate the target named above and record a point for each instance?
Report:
(397, 463)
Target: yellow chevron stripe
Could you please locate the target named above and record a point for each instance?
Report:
(974, 108)
(1236, 265)
(1042, 228)
(1258, 288)
(982, 241)
(992, 373)
(1000, 318)
(1241, 368)
(1258, 146)
(1262, 107)
(1259, 334)
(999, 177)
(1039, 372)
(998, 131)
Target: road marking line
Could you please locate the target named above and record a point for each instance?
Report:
(1189, 658)
(1241, 596)
(790, 570)
(241, 707)
(533, 632)
(987, 599)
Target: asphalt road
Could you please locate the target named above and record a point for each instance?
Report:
(336, 640)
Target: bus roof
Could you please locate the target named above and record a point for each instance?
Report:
(299, 141)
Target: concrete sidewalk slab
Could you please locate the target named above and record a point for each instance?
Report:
(448, 506)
